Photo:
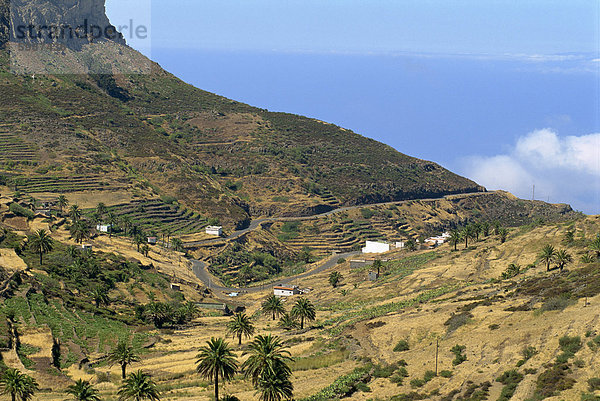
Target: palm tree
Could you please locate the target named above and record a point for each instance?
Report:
(455, 237)
(485, 228)
(240, 325)
(267, 366)
(563, 258)
(275, 388)
(75, 213)
(18, 385)
(111, 220)
(502, 233)
(215, 360)
(303, 309)
(595, 246)
(62, 202)
(177, 245)
(79, 230)
(40, 242)
(476, 227)
(273, 305)
(101, 209)
(138, 386)
(123, 355)
(335, 277)
(100, 297)
(287, 322)
(466, 233)
(376, 265)
(547, 255)
(126, 224)
(145, 250)
(82, 390)
(138, 239)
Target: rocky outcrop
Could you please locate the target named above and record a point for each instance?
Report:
(72, 23)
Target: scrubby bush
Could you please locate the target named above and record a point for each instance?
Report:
(593, 384)
(414, 383)
(446, 373)
(402, 345)
(459, 356)
(556, 303)
(510, 379)
(21, 211)
(457, 320)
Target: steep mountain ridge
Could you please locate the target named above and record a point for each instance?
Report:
(223, 158)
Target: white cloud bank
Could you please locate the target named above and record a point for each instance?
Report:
(563, 169)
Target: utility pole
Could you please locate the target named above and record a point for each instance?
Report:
(437, 347)
(533, 193)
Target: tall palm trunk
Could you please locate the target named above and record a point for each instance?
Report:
(217, 385)
(123, 369)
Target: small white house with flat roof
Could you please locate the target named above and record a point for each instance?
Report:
(214, 230)
(103, 228)
(285, 291)
(375, 247)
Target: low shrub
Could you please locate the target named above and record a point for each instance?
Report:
(510, 379)
(593, 384)
(553, 380)
(446, 373)
(459, 356)
(401, 346)
(429, 375)
(457, 320)
(21, 211)
(556, 304)
(415, 383)
(570, 345)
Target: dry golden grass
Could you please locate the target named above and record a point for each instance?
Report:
(10, 261)
(493, 336)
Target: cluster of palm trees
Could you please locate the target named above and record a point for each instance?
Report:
(267, 366)
(472, 231)
(549, 255)
(80, 227)
(303, 310)
(136, 386)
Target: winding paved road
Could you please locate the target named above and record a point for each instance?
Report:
(200, 270)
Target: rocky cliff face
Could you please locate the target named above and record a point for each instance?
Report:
(72, 23)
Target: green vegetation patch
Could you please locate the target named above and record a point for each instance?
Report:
(343, 386)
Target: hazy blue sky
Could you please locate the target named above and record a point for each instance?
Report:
(504, 92)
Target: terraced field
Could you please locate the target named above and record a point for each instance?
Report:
(154, 215)
(12, 148)
(346, 235)
(62, 184)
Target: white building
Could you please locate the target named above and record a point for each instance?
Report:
(214, 230)
(375, 247)
(400, 244)
(152, 240)
(103, 228)
(86, 247)
(285, 291)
